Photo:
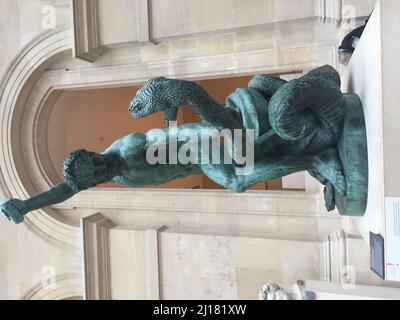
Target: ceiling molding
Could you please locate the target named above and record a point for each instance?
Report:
(86, 31)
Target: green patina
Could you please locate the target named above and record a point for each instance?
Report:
(306, 124)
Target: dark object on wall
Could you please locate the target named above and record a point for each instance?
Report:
(377, 254)
(350, 42)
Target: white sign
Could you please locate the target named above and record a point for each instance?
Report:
(392, 239)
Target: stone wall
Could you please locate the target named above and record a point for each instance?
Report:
(227, 38)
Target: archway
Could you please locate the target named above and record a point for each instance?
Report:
(29, 92)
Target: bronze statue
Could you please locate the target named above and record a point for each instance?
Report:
(306, 124)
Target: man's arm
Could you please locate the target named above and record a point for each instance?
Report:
(15, 209)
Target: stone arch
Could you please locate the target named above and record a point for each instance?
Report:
(16, 180)
(61, 287)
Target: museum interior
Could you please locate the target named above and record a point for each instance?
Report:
(69, 69)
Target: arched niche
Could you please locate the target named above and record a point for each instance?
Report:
(21, 123)
(29, 91)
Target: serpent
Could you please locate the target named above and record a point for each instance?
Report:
(306, 114)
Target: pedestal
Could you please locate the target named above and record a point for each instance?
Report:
(373, 75)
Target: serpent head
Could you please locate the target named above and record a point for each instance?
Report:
(154, 96)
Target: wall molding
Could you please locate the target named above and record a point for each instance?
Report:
(153, 263)
(143, 19)
(86, 31)
(282, 203)
(334, 258)
(333, 291)
(96, 259)
(329, 11)
(96, 255)
(256, 214)
(339, 12)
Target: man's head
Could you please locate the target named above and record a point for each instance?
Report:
(84, 170)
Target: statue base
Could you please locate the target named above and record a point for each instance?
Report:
(353, 152)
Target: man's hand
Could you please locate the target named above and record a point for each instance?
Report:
(14, 210)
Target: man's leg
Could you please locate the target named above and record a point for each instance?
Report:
(265, 169)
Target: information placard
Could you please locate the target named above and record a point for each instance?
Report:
(392, 239)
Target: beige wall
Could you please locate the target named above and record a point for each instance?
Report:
(26, 260)
(191, 17)
(213, 267)
(118, 21)
(197, 16)
(195, 266)
(23, 255)
(22, 20)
